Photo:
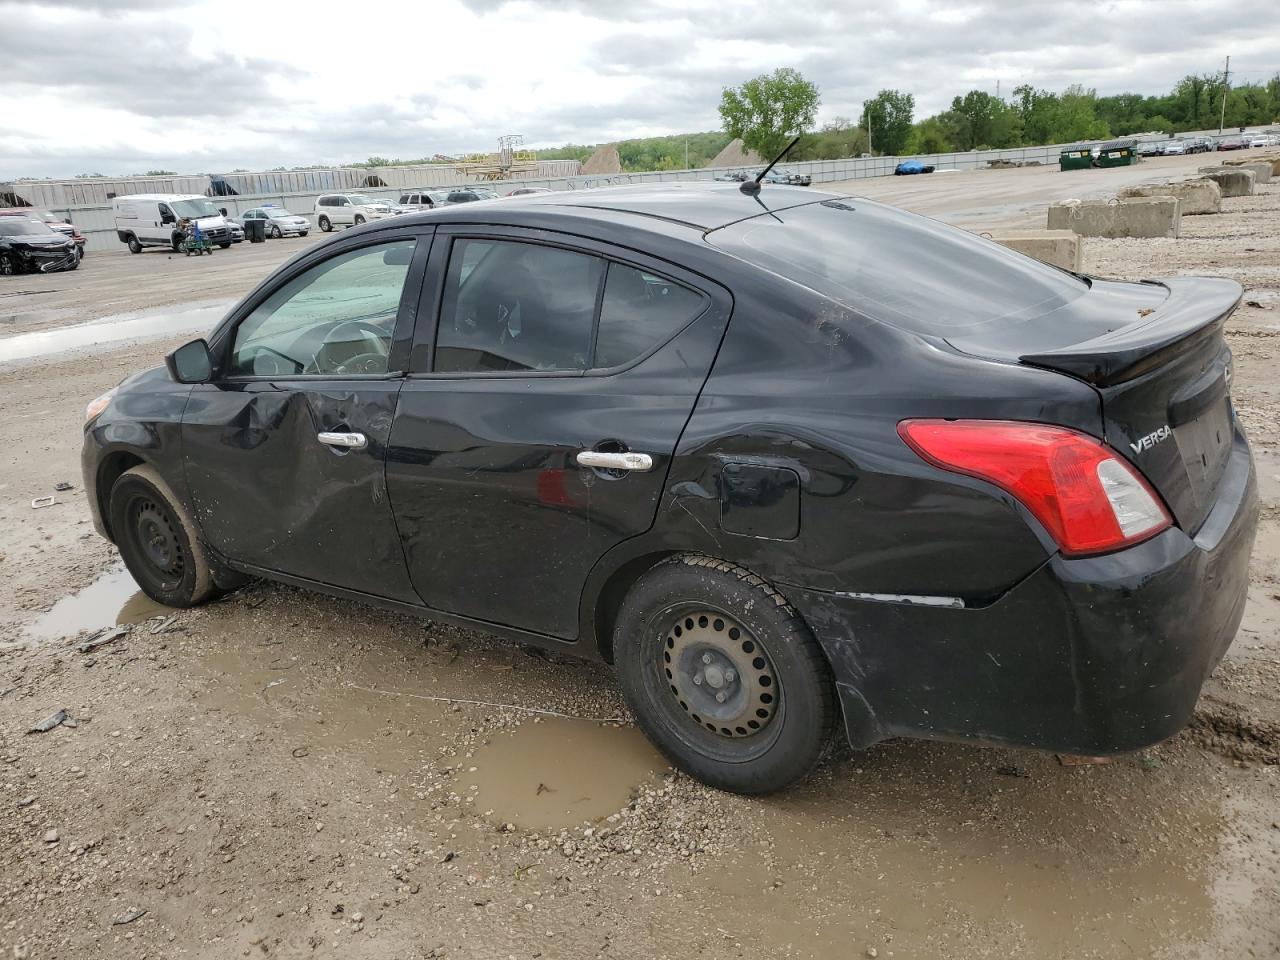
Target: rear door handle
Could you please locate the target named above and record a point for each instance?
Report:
(598, 460)
(347, 441)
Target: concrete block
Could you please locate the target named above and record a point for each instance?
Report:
(1261, 170)
(1194, 196)
(1233, 181)
(1134, 217)
(1058, 248)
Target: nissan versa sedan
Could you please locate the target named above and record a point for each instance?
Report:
(789, 461)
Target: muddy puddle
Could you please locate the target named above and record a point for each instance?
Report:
(554, 772)
(111, 330)
(114, 598)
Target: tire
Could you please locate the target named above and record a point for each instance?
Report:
(224, 246)
(8, 266)
(158, 540)
(359, 220)
(303, 233)
(134, 245)
(694, 629)
(324, 224)
(75, 264)
(275, 232)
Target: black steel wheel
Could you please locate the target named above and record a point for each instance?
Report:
(723, 675)
(159, 543)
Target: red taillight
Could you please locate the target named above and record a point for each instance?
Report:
(1087, 496)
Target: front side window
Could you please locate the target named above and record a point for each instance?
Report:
(639, 311)
(335, 319)
(517, 306)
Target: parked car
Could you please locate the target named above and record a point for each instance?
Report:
(154, 220)
(1174, 148)
(783, 177)
(1263, 140)
(237, 231)
(1151, 148)
(469, 195)
(733, 176)
(424, 199)
(62, 226)
(348, 209)
(907, 167)
(1232, 143)
(28, 243)
(279, 221)
(527, 191)
(1199, 145)
(976, 498)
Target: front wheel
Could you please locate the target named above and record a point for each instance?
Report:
(134, 245)
(723, 675)
(275, 232)
(223, 246)
(8, 265)
(359, 220)
(302, 233)
(324, 224)
(157, 539)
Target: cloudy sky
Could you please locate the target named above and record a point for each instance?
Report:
(121, 86)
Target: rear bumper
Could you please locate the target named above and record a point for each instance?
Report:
(1095, 656)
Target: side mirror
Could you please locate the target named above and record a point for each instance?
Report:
(190, 363)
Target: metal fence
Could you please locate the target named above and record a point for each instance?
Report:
(97, 222)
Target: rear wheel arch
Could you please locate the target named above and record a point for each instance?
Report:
(609, 597)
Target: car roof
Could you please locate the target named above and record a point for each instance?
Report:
(702, 204)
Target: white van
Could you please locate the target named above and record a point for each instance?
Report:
(151, 220)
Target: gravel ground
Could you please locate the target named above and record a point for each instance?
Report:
(282, 774)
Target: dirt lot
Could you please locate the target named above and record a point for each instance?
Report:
(281, 774)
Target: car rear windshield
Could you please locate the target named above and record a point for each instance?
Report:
(899, 268)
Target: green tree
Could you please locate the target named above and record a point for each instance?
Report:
(839, 137)
(980, 120)
(160, 173)
(889, 115)
(765, 112)
(929, 136)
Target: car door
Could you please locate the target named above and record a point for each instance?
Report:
(550, 362)
(284, 449)
(161, 224)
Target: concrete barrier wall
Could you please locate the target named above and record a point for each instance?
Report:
(1232, 181)
(1058, 248)
(1114, 219)
(98, 224)
(1194, 196)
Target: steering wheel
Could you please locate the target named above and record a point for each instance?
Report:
(374, 339)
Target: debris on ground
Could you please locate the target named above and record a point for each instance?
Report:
(1080, 760)
(39, 502)
(51, 836)
(164, 625)
(103, 637)
(62, 486)
(127, 917)
(51, 721)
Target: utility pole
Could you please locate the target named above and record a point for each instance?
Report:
(866, 118)
(686, 153)
(997, 89)
(1226, 77)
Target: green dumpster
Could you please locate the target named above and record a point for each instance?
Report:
(1075, 158)
(1118, 153)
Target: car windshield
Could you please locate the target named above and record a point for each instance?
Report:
(22, 226)
(909, 271)
(194, 209)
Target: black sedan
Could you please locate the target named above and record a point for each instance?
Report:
(790, 462)
(28, 244)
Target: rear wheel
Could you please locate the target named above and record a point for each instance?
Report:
(158, 540)
(134, 245)
(723, 675)
(324, 224)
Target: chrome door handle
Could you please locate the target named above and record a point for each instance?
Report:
(639, 462)
(347, 441)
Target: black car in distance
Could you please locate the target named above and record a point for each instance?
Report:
(29, 244)
(789, 461)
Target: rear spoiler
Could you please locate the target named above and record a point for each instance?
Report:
(1194, 311)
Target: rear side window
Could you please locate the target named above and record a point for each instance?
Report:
(902, 269)
(639, 311)
(517, 306)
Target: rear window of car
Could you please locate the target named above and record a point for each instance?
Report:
(899, 268)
